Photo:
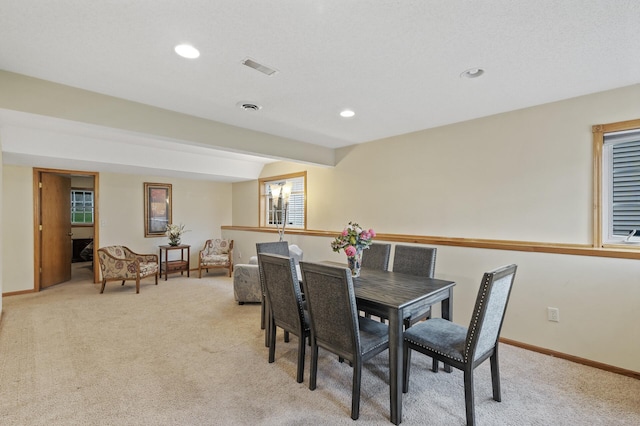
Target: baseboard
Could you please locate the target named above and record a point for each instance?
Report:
(15, 293)
(572, 358)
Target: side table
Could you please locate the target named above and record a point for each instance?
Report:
(168, 266)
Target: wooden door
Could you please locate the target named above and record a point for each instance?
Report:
(55, 218)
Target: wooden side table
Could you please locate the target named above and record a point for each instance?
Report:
(168, 266)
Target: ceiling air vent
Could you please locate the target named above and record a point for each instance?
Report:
(257, 66)
(248, 106)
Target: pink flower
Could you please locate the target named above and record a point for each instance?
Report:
(372, 232)
(350, 251)
(345, 232)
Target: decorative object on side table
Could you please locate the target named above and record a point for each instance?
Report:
(353, 240)
(174, 232)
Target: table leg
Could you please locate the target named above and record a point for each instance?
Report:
(395, 365)
(446, 306)
(166, 264)
(188, 260)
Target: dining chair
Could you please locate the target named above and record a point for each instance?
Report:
(277, 247)
(336, 325)
(419, 261)
(285, 304)
(465, 348)
(376, 257)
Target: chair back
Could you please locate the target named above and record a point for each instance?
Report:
(376, 257)
(119, 252)
(278, 247)
(331, 302)
(415, 260)
(488, 314)
(217, 246)
(282, 291)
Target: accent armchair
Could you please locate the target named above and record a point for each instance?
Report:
(216, 253)
(118, 263)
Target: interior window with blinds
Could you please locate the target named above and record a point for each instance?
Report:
(621, 186)
(295, 216)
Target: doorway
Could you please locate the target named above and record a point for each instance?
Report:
(53, 231)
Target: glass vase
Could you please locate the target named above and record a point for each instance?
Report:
(355, 263)
(174, 241)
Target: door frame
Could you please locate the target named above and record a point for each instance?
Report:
(36, 219)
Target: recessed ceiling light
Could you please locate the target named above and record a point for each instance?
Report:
(347, 113)
(472, 73)
(187, 51)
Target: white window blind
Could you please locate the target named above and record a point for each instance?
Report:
(621, 156)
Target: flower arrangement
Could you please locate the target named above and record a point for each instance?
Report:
(353, 239)
(174, 232)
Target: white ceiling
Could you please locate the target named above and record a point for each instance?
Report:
(397, 64)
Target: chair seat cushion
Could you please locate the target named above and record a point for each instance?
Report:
(439, 335)
(215, 259)
(373, 334)
(148, 268)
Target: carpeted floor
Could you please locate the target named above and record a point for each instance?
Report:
(185, 353)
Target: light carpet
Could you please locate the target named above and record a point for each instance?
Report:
(185, 353)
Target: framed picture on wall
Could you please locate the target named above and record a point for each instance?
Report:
(157, 208)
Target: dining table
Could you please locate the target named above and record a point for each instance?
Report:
(396, 296)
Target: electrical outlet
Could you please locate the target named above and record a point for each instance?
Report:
(553, 314)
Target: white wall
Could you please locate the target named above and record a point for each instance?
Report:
(17, 228)
(201, 205)
(524, 175)
(1, 229)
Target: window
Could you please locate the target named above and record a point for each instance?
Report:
(81, 207)
(617, 163)
(297, 211)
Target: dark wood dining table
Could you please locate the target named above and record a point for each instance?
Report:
(395, 296)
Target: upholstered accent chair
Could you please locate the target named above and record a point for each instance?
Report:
(285, 304)
(465, 348)
(216, 253)
(336, 326)
(118, 263)
(419, 261)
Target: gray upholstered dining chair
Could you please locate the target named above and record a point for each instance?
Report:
(376, 257)
(285, 304)
(336, 326)
(466, 347)
(277, 247)
(420, 261)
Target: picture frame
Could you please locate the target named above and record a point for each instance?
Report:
(157, 209)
